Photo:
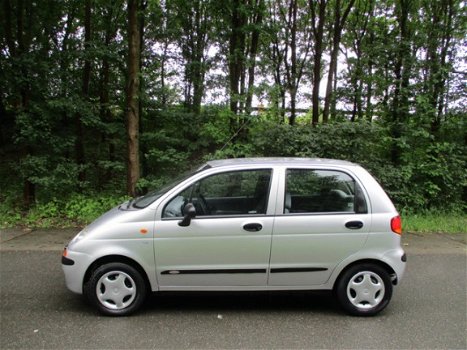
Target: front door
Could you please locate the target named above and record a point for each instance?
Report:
(227, 244)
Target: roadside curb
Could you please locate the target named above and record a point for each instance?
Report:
(40, 239)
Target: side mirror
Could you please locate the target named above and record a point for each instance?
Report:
(190, 213)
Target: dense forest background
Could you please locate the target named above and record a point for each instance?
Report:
(102, 98)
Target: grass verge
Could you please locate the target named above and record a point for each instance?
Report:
(435, 223)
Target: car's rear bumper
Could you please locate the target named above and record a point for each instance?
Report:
(397, 259)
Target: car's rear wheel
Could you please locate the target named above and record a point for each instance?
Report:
(116, 289)
(364, 289)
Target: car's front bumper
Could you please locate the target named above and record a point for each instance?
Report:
(74, 267)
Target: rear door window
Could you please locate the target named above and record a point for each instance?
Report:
(322, 191)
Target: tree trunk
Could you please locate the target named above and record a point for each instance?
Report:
(369, 92)
(234, 57)
(293, 58)
(111, 29)
(194, 42)
(104, 100)
(337, 33)
(438, 48)
(79, 142)
(143, 147)
(163, 87)
(401, 71)
(132, 110)
(17, 44)
(258, 18)
(318, 34)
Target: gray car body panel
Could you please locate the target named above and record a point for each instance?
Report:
(291, 252)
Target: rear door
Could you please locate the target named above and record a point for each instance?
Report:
(323, 219)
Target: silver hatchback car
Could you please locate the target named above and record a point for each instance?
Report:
(245, 225)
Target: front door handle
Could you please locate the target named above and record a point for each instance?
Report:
(255, 227)
(354, 225)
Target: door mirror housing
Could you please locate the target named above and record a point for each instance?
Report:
(190, 212)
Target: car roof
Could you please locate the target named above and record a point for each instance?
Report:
(278, 161)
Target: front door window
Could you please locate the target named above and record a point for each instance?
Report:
(226, 194)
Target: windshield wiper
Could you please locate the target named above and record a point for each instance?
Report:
(130, 202)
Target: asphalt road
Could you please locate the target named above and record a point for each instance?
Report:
(428, 309)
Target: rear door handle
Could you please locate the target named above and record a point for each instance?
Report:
(354, 225)
(254, 227)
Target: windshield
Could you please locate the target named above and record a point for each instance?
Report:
(144, 201)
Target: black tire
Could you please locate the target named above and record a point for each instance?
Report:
(128, 289)
(364, 289)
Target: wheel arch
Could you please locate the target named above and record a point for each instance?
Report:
(120, 259)
(377, 262)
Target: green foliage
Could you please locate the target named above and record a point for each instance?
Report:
(401, 84)
(234, 150)
(84, 209)
(432, 170)
(9, 214)
(431, 175)
(440, 177)
(183, 142)
(76, 210)
(359, 142)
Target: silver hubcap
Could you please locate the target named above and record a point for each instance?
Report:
(116, 290)
(365, 290)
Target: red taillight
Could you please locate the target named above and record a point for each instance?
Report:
(396, 225)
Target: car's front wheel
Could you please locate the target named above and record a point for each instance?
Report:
(116, 289)
(364, 289)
